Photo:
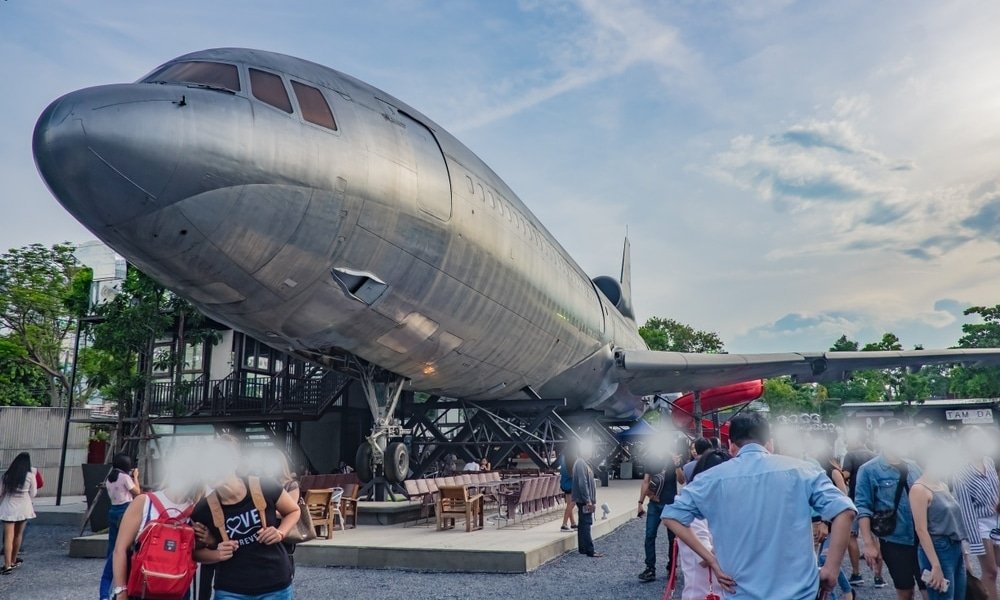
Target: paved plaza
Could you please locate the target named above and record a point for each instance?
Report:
(49, 573)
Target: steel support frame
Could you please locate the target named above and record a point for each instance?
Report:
(497, 429)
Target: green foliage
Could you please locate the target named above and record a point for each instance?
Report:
(978, 382)
(42, 292)
(21, 383)
(142, 311)
(671, 335)
(844, 345)
(784, 397)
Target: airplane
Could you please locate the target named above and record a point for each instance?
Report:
(333, 221)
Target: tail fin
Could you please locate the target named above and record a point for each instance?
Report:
(626, 281)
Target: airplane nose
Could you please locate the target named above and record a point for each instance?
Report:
(98, 153)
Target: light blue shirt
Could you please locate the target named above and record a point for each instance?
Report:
(876, 491)
(758, 507)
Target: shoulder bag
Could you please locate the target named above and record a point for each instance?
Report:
(884, 521)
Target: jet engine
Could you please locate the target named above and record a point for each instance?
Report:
(613, 291)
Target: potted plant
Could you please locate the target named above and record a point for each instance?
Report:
(97, 446)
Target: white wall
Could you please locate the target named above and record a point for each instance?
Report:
(222, 356)
(38, 431)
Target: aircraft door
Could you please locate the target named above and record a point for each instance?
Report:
(433, 182)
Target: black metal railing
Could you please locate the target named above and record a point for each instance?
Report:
(249, 395)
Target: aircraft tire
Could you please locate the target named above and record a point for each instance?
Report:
(397, 462)
(363, 463)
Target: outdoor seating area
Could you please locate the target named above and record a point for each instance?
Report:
(509, 501)
(330, 498)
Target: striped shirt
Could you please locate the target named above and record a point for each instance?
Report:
(978, 494)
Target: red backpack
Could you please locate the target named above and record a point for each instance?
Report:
(163, 566)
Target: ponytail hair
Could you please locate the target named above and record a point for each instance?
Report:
(121, 463)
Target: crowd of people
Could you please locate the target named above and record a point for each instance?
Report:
(764, 516)
(773, 518)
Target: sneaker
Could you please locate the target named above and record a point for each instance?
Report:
(565, 528)
(573, 526)
(648, 575)
(879, 582)
(856, 580)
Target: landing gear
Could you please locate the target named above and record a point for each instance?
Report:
(397, 462)
(365, 463)
(382, 464)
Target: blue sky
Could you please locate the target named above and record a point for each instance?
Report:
(788, 171)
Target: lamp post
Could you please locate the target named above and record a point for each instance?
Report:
(69, 414)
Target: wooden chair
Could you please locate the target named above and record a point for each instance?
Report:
(455, 501)
(349, 504)
(318, 505)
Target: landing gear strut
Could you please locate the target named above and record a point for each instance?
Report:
(382, 461)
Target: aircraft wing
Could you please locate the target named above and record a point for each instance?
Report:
(647, 372)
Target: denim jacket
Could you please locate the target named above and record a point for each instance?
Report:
(876, 491)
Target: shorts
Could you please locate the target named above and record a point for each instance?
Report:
(565, 491)
(901, 561)
(986, 525)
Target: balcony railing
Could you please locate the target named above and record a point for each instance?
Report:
(247, 395)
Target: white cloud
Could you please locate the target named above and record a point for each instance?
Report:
(617, 36)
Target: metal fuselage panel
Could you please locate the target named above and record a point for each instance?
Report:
(251, 213)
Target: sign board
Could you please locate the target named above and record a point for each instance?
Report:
(971, 416)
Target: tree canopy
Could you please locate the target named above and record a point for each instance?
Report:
(43, 291)
(674, 336)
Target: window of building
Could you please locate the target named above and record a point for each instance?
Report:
(314, 106)
(211, 74)
(268, 87)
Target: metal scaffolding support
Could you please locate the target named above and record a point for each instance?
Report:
(497, 430)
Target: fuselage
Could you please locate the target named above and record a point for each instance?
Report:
(362, 228)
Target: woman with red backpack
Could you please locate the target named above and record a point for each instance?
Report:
(169, 509)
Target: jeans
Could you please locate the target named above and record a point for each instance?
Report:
(115, 513)
(584, 520)
(653, 523)
(285, 594)
(949, 554)
(842, 582)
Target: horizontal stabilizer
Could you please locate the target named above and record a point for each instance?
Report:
(646, 372)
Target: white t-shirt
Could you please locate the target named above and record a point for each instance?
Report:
(149, 512)
(471, 466)
(120, 490)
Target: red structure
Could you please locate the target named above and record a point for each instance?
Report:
(714, 399)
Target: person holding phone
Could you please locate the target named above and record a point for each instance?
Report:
(585, 497)
(937, 518)
(122, 486)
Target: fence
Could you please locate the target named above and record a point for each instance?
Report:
(39, 432)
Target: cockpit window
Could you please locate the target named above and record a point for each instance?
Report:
(210, 74)
(314, 106)
(269, 88)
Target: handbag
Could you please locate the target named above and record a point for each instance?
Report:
(303, 530)
(672, 580)
(884, 521)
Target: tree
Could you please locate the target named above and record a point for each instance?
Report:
(978, 382)
(43, 290)
(868, 385)
(21, 383)
(142, 312)
(671, 335)
(844, 345)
